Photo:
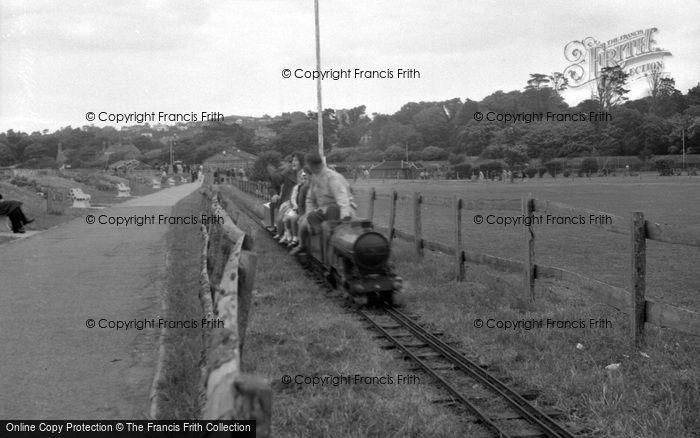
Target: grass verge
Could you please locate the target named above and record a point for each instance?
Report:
(180, 390)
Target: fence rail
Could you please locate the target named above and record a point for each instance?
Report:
(633, 301)
(229, 273)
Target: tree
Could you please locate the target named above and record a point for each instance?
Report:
(559, 82)
(330, 127)
(433, 126)
(433, 153)
(394, 153)
(693, 96)
(398, 133)
(537, 81)
(654, 77)
(669, 100)
(516, 156)
(611, 87)
(465, 114)
(259, 170)
(299, 136)
(352, 125)
(475, 137)
(6, 155)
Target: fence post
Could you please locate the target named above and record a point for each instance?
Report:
(458, 239)
(252, 400)
(417, 226)
(392, 214)
(638, 286)
(529, 262)
(370, 208)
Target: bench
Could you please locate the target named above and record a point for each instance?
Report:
(156, 183)
(183, 180)
(80, 199)
(171, 181)
(123, 190)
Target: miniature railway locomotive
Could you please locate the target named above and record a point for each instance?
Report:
(355, 259)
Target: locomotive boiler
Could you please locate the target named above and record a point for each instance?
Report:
(355, 258)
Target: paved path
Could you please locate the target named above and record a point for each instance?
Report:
(51, 365)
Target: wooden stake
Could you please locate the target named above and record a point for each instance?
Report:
(529, 265)
(417, 226)
(392, 214)
(370, 208)
(638, 283)
(459, 253)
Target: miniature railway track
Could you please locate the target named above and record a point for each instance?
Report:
(490, 401)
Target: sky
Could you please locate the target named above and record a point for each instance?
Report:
(61, 60)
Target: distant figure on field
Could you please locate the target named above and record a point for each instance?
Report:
(13, 210)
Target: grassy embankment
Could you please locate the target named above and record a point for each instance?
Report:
(35, 206)
(180, 392)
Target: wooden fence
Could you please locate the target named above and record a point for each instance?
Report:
(228, 273)
(633, 301)
(259, 189)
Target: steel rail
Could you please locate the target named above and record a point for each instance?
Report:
(451, 389)
(530, 413)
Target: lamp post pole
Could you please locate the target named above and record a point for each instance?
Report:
(318, 85)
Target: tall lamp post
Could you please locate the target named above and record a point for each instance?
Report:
(173, 142)
(318, 86)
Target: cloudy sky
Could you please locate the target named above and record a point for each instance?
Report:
(61, 59)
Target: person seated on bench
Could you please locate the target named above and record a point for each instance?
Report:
(329, 198)
(13, 210)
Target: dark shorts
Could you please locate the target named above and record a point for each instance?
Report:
(316, 217)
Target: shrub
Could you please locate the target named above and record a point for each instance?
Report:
(462, 171)
(455, 158)
(490, 167)
(541, 171)
(554, 167)
(567, 172)
(664, 167)
(531, 172)
(589, 166)
(433, 153)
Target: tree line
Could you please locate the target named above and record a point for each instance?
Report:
(664, 122)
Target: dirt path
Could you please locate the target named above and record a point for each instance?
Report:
(52, 366)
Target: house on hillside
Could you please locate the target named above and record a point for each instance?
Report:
(233, 159)
(264, 132)
(125, 151)
(396, 170)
